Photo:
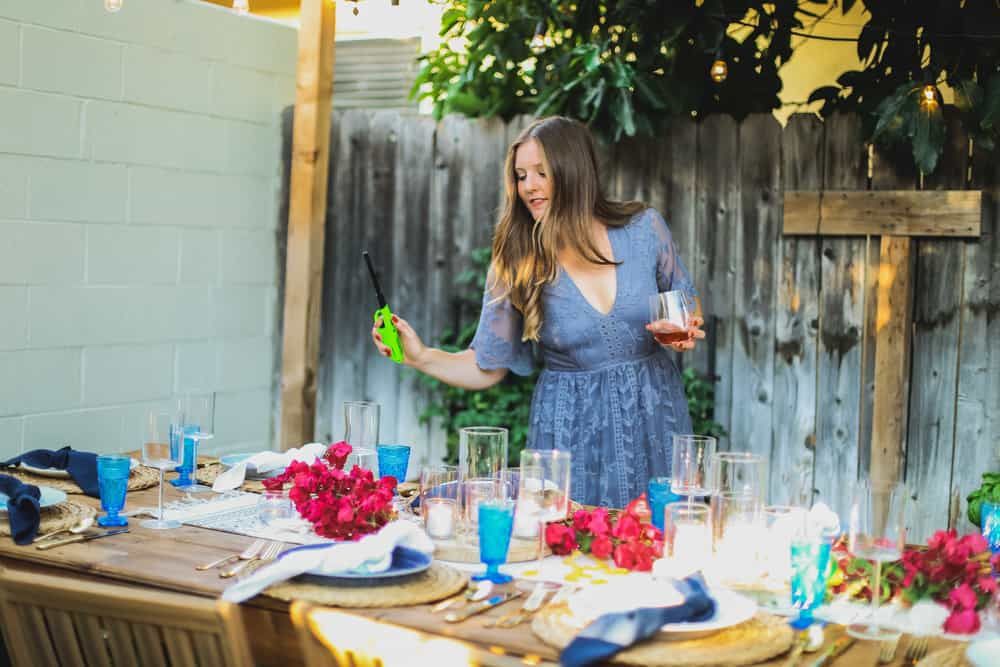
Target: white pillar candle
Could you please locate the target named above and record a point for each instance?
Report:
(439, 516)
(692, 546)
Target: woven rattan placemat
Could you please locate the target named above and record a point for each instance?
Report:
(140, 478)
(57, 517)
(953, 656)
(436, 583)
(759, 639)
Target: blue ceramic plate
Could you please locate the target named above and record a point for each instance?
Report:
(405, 561)
(49, 497)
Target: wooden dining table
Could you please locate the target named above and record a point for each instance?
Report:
(166, 560)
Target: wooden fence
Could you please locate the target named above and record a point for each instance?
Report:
(792, 318)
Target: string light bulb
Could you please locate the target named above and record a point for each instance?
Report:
(537, 43)
(929, 97)
(719, 70)
(112, 6)
(241, 7)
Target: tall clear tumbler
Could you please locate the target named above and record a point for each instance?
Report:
(361, 422)
(690, 470)
(482, 457)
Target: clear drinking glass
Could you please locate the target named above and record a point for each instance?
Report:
(112, 480)
(877, 532)
(740, 474)
(690, 472)
(440, 500)
(276, 510)
(781, 522)
(197, 423)
(543, 490)
(675, 307)
(361, 422)
(157, 453)
(482, 452)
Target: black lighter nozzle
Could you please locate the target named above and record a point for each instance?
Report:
(371, 271)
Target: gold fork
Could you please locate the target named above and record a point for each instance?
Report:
(916, 650)
(270, 554)
(244, 563)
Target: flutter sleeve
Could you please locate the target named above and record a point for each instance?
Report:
(497, 342)
(671, 274)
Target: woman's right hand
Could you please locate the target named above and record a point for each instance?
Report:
(413, 348)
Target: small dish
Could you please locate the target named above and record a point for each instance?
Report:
(48, 498)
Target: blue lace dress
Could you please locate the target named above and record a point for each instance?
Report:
(609, 393)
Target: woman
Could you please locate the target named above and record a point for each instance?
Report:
(573, 272)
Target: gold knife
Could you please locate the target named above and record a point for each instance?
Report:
(480, 607)
(79, 538)
(831, 652)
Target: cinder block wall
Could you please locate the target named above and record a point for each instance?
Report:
(139, 180)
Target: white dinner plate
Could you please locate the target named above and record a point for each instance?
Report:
(730, 608)
(57, 473)
(985, 653)
(49, 497)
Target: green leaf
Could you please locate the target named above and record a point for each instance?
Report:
(928, 140)
(889, 110)
(624, 113)
(991, 104)
(449, 19)
(968, 95)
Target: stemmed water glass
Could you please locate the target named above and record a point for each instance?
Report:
(196, 423)
(543, 490)
(157, 453)
(877, 532)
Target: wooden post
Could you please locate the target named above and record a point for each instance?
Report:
(306, 220)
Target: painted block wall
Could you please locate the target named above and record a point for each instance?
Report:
(139, 179)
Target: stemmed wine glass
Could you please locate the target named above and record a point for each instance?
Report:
(157, 453)
(543, 490)
(877, 532)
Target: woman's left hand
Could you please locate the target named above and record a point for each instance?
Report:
(695, 333)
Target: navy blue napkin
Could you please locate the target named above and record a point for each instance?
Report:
(612, 633)
(23, 510)
(81, 466)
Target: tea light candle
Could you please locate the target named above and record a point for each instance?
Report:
(526, 518)
(440, 517)
(692, 545)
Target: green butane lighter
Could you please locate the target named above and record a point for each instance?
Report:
(387, 330)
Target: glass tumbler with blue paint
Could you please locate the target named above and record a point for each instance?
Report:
(810, 559)
(496, 521)
(660, 495)
(989, 519)
(112, 481)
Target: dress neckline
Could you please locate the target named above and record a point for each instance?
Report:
(617, 274)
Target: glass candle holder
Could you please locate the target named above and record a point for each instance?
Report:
(440, 500)
(687, 535)
(740, 474)
(738, 524)
(112, 481)
(276, 510)
(781, 523)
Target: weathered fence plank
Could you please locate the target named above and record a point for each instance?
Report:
(756, 284)
(796, 322)
(411, 245)
(717, 215)
(936, 319)
(841, 321)
(977, 421)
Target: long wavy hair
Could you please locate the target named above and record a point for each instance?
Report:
(524, 249)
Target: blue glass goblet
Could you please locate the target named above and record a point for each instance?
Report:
(496, 520)
(112, 481)
(660, 495)
(810, 559)
(393, 461)
(989, 519)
